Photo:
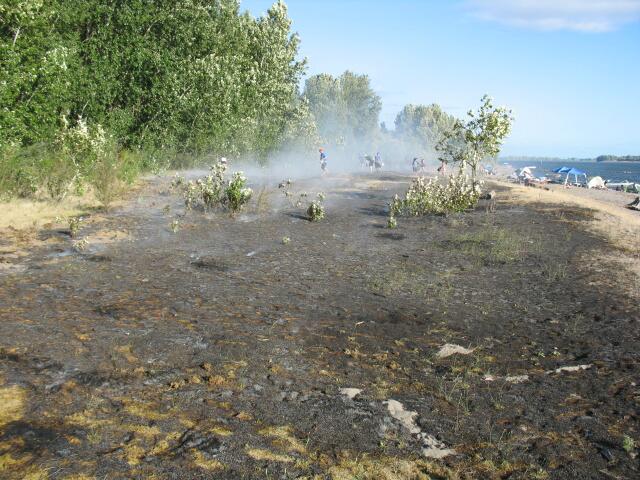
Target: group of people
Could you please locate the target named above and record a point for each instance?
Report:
(418, 165)
(372, 162)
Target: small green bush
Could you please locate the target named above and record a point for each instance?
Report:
(214, 191)
(315, 211)
(237, 194)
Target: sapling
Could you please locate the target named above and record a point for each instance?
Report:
(469, 143)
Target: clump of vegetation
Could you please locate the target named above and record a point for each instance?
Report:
(628, 444)
(74, 226)
(424, 197)
(237, 194)
(286, 240)
(463, 143)
(175, 225)
(178, 182)
(214, 191)
(315, 211)
(81, 245)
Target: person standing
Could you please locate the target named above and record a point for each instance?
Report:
(323, 161)
(378, 161)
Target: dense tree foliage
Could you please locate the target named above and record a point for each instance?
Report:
(423, 125)
(187, 74)
(346, 109)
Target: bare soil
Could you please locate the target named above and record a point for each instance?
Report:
(221, 351)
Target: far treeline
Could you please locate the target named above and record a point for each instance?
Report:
(94, 92)
(601, 158)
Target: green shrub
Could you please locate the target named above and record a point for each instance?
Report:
(424, 197)
(214, 191)
(105, 180)
(58, 175)
(74, 226)
(20, 171)
(315, 211)
(237, 194)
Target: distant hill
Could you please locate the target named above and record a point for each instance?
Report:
(601, 158)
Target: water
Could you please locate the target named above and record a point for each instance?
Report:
(613, 171)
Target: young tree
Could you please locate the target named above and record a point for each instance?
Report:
(479, 138)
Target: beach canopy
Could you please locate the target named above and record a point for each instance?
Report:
(576, 173)
(561, 169)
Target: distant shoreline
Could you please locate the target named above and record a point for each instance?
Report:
(572, 160)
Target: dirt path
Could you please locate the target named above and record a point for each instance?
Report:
(220, 351)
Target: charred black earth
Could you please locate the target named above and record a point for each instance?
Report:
(225, 351)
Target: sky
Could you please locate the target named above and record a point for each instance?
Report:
(569, 69)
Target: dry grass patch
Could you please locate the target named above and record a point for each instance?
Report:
(12, 404)
(262, 454)
(387, 468)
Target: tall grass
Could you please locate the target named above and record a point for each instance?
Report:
(46, 172)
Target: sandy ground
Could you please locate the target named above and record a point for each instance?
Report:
(619, 224)
(491, 344)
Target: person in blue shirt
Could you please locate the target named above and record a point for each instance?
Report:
(323, 161)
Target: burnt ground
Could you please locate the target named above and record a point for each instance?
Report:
(219, 351)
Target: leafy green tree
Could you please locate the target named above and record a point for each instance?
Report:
(422, 124)
(346, 109)
(480, 137)
(191, 76)
(37, 61)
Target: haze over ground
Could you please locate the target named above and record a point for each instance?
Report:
(569, 69)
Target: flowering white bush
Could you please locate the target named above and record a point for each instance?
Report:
(237, 194)
(83, 144)
(458, 194)
(213, 191)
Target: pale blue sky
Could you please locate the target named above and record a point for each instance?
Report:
(570, 69)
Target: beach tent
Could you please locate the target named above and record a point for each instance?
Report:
(576, 173)
(561, 169)
(596, 182)
(525, 173)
